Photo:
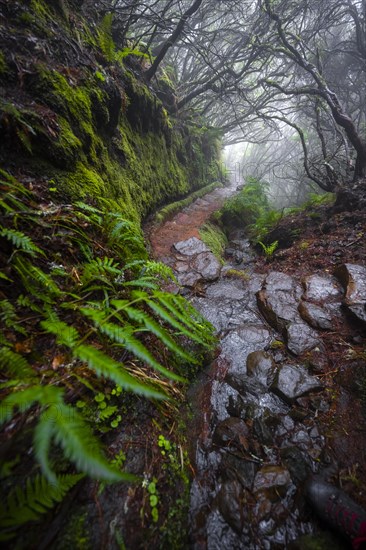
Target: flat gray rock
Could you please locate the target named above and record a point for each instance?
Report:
(278, 300)
(191, 246)
(236, 346)
(300, 338)
(207, 265)
(315, 316)
(321, 287)
(292, 382)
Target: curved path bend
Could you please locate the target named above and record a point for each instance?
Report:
(186, 223)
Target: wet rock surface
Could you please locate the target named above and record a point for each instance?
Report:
(194, 262)
(261, 440)
(292, 382)
(256, 410)
(353, 279)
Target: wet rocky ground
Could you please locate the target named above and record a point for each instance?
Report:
(281, 401)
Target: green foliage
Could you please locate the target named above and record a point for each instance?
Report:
(20, 241)
(247, 206)
(105, 40)
(17, 120)
(31, 502)
(237, 274)
(214, 238)
(269, 249)
(107, 45)
(265, 222)
(93, 303)
(153, 500)
(3, 65)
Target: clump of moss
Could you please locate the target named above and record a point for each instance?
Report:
(81, 183)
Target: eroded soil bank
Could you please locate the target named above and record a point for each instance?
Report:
(283, 400)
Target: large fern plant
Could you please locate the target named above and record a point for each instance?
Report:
(80, 299)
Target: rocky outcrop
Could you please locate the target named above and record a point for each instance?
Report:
(353, 279)
(194, 262)
(292, 382)
(278, 301)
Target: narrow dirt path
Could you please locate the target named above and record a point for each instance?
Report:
(186, 223)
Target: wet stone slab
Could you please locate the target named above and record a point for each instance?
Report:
(237, 344)
(316, 316)
(194, 262)
(321, 287)
(278, 300)
(300, 338)
(293, 381)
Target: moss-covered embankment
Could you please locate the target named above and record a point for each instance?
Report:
(77, 114)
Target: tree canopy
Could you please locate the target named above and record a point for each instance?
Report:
(269, 71)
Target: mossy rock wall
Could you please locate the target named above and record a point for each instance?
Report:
(87, 124)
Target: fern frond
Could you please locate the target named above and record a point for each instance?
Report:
(74, 435)
(15, 364)
(24, 399)
(106, 413)
(21, 241)
(87, 207)
(104, 365)
(185, 313)
(5, 277)
(151, 325)
(38, 496)
(32, 276)
(159, 269)
(143, 282)
(65, 334)
(124, 336)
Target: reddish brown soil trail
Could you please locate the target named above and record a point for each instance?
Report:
(186, 224)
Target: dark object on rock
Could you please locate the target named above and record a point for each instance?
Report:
(338, 510)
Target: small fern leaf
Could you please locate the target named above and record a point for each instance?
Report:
(168, 318)
(87, 207)
(15, 364)
(143, 282)
(124, 336)
(183, 311)
(83, 448)
(151, 325)
(42, 439)
(65, 334)
(5, 277)
(24, 399)
(39, 496)
(21, 241)
(104, 365)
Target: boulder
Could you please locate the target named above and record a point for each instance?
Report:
(278, 300)
(232, 432)
(231, 502)
(321, 287)
(300, 338)
(207, 265)
(194, 262)
(261, 365)
(315, 316)
(353, 279)
(292, 382)
(274, 480)
(191, 247)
